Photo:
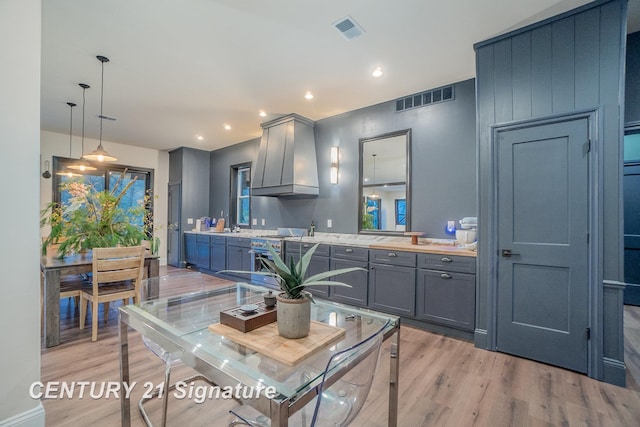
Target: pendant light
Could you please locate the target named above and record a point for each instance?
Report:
(80, 165)
(373, 194)
(69, 173)
(100, 154)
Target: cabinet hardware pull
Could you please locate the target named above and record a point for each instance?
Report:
(507, 253)
(392, 254)
(445, 276)
(349, 251)
(446, 259)
(305, 245)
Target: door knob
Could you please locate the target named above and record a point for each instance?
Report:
(507, 253)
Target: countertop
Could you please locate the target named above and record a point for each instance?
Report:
(396, 243)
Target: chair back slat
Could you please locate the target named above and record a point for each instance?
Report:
(118, 264)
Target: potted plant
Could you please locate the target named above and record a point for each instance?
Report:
(294, 301)
(92, 219)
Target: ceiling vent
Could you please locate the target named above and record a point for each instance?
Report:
(423, 99)
(349, 28)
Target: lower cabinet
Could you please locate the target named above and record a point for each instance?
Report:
(319, 263)
(190, 249)
(238, 256)
(202, 252)
(392, 289)
(446, 298)
(218, 255)
(345, 257)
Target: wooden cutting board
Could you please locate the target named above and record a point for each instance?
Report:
(265, 340)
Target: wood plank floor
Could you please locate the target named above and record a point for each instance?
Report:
(443, 382)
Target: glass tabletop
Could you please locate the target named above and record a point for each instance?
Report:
(180, 324)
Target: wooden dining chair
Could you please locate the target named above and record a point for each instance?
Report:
(117, 274)
(70, 285)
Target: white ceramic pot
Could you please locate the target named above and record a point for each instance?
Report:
(465, 237)
(294, 317)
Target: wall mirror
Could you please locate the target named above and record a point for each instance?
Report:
(384, 205)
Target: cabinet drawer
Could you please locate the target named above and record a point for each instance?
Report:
(218, 240)
(242, 242)
(293, 248)
(200, 238)
(381, 256)
(461, 264)
(350, 252)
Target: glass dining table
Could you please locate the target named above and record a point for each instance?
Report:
(180, 325)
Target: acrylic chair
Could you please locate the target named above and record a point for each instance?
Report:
(117, 273)
(338, 402)
(159, 287)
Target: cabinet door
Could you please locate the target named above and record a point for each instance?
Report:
(392, 289)
(237, 260)
(218, 260)
(190, 249)
(446, 298)
(203, 252)
(318, 264)
(357, 293)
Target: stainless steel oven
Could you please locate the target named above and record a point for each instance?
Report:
(259, 252)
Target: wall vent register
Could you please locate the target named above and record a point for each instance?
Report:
(423, 99)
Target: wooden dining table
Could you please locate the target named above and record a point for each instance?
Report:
(53, 268)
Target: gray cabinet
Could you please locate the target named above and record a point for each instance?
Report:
(238, 256)
(392, 282)
(446, 297)
(345, 257)
(190, 249)
(202, 252)
(218, 254)
(319, 263)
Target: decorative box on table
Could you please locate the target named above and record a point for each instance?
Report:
(245, 322)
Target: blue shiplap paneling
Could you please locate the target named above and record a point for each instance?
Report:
(541, 66)
(563, 65)
(521, 80)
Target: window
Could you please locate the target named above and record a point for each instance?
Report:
(241, 194)
(401, 211)
(107, 177)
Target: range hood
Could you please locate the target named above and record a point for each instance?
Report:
(286, 165)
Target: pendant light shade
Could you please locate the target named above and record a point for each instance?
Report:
(100, 154)
(373, 194)
(69, 173)
(80, 165)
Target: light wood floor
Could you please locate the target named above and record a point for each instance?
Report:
(443, 382)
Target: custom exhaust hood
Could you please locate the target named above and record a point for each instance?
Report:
(286, 165)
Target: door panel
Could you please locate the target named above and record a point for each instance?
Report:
(631, 190)
(543, 282)
(173, 231)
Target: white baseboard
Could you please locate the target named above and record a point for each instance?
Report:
(31, 418)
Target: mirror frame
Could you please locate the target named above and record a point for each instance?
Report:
(407, 134)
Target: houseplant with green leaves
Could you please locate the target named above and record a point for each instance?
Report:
(294, 309)
(92, 219)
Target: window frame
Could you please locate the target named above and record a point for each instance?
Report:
(234, 199)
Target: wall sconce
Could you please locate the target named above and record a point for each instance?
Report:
(333, 172)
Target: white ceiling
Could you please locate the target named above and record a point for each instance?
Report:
(184, 68)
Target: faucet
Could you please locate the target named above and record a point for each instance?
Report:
(312, 230)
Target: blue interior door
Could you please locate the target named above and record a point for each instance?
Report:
(543, 291)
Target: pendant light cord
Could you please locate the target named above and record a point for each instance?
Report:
(71, 105)
(101, 99)
(83, 102)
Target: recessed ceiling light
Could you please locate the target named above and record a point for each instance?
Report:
(200, 138)
(377, 72)
(308, 95)
(227, 126)
(262, 113)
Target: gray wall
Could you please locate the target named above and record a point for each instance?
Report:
(443, 167)
(562, 65)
